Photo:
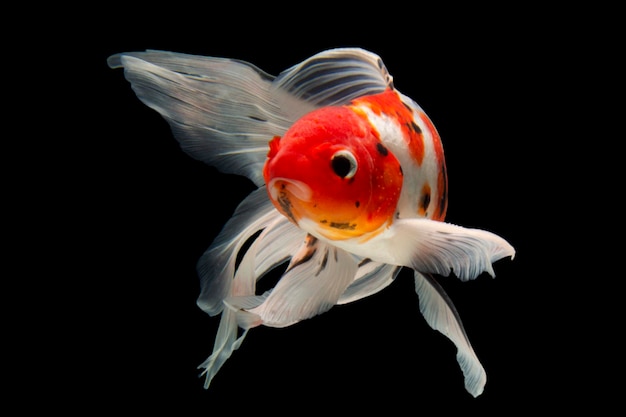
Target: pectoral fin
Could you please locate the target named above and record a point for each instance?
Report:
(436, 247)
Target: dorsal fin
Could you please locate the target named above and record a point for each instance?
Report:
(335, 77)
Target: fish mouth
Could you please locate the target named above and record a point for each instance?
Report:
(298, 189)
(285, 192)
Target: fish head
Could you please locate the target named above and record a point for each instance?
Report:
(330, 175)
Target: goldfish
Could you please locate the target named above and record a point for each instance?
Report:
(350, 188)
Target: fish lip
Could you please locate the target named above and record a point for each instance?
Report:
(296, 188)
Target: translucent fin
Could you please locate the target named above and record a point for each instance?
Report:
(216, 267)
(441, 315)
(273, 246)
(221, 110)
(226, 342)
(310, 286)
(371, 278)
(277, 243)
(335, 77)
(436, 247)
(442, 248)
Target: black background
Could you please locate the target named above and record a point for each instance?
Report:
(491, 82)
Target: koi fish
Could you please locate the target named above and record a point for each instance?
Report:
(352, 187)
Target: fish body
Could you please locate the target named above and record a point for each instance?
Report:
(352, 187)
(381, 154)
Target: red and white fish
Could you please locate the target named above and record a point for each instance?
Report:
(352, 187)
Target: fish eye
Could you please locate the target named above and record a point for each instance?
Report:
(344, 164)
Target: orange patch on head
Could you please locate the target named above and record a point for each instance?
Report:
(331, 169)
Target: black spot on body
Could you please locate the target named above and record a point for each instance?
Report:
(343, 225)
(311, 248)
(357, 204)
(381, 149)
(307, 257)
(425, 201)
(323, 264)
(444, 193)
(364, 262)
(413, 126)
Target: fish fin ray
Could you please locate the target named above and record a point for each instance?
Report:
(335, 77)
(216, 267)
(226, 342)
(221, 110)
(441, 248)
(371, 278)
(308, 288)
(273, 247)
(263, 254)
(440, 314)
